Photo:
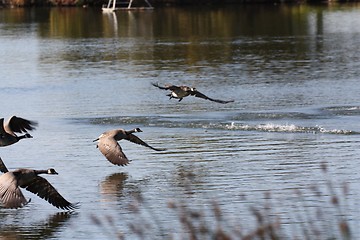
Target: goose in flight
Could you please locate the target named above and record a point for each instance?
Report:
(14, 124)
(179, 92)
(110, 148)
(11, 181)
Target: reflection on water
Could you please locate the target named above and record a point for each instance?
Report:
(292, 70)
(110, 29)
(44, 229)
(113, 185)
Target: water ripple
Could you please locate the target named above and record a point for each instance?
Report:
(182, 121)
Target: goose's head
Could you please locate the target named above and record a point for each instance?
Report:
(52, 171)
(137, 130)
(188, 89)
(27, 135)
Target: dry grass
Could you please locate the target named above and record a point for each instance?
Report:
(195, 224)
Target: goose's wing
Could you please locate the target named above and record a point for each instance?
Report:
(111, 149)
(10, 194)
(201, 95)
(17, 124)
(166, 87)
(3, 168)
(2, 129)
(41, 187)
(135, 139)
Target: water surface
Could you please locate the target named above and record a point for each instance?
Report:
(293, 72)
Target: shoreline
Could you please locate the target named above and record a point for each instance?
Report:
(158, 3)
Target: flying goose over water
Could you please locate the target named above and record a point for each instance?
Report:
(179, 92)
(111, 149)
(11, 181)
(14, 124)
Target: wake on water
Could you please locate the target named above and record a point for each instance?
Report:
(206, 124)
(290, 128)
(238, 121)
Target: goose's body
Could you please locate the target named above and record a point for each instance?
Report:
(179, 92)
(14, 124)
(11, 181)
(110, 148)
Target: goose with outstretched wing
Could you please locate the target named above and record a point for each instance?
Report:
(11, 181)
(14, 125)
(110, 148)
(179, 92)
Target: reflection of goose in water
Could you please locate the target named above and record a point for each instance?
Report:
(113, 184)
(42, 230)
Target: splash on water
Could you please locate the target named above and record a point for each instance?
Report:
(174, 122)
(290, 128)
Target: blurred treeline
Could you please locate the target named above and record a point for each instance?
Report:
(83, 3)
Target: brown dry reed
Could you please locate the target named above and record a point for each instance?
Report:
(195, 224)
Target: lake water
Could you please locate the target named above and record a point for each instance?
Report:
(293, 71)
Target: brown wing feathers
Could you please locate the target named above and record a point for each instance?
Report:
(112, 151)
(17, 124)
(134, 139)
(41, 187)
(201, 95)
